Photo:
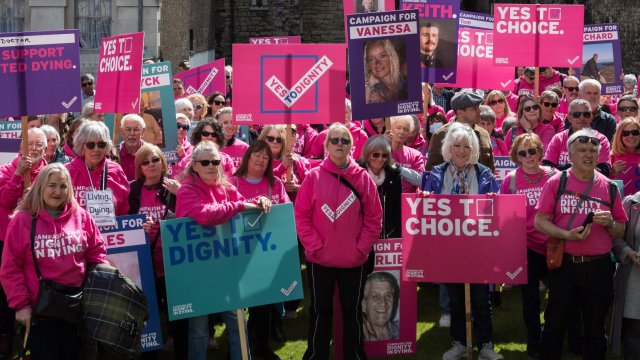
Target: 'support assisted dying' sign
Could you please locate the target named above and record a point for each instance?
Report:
(287, 84)
(464, 238)
(248, 261)
(39, 73)
(538, 35)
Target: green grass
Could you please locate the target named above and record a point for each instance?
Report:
(508, 327)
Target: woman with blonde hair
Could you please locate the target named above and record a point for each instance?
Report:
(625, 147)
(499, 104)
(382, 74)
(200, 106)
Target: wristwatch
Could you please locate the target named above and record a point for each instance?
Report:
(612, 225)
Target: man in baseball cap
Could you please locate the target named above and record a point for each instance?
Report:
(466, 105)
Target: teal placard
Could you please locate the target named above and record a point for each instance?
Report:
(250, 260)
(157, 101)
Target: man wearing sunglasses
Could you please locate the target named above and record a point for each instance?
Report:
(466, 105)
(88, 84)
(602, 121)
(580, 117)
(585, 276)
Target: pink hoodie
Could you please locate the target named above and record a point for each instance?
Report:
(116, 181)
(236, 151)
(207, 204)
(177, 172)
(359, 138)
(12, 189)
(335, 228)
(252, 192)
(64, 246)
(69, 151)
(305, 136)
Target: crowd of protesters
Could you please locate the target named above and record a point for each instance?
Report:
(567, 143)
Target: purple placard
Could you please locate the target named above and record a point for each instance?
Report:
(473, 20)
(438, 38)
(603, 40)
(272, 40)
(39, 73)
(381, 45)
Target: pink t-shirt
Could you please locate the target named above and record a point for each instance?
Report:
(236, 151)
(544, 131)
(558, 153)
(521, 87)
(499, 147)
(554, 80)
(563, 107)
(252, 192)
(557, 122)
(411, 159)
(512, 99)
(500, 120)
(536, 240)
(599, 241)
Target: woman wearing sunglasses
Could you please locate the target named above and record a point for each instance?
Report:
(93, 171)
(338, 217)
(206, 130)
(200, 106)
(550, 101)
(625, 152)
(184, 147)
(499, 104)
(206, 196)
(276, 137)
(530, 120)
(216, 102)
(627, 107)
(528, 179)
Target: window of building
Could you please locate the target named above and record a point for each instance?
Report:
(12, 15)
(93, 19)
(259, 3)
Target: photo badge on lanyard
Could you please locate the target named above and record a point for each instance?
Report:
(100, 202)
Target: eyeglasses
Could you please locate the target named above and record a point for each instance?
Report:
(207, 134)
(274, 139)
(626, 133)
(184, 127)
(92, 145)
(90, 83)
(628, 108)
(571, 88)
(206, 163)
(377, 155)
(552, 104)
(530, 151)
(154, 160)
(585, 114)
(496, 102)
(585, 139)
(198, 107)
(219, 103)
(531, 108)
(336, 140)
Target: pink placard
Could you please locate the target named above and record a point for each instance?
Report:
(289, 84)
(274, 40)
(538, 35)
(464, 238)
(119, 74)
(398, 318)
(475, 63)
(204, 79)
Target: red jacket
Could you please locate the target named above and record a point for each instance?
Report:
(64, 246)
(335, 228)
(207, 204)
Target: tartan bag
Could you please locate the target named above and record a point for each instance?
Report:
(114, 310)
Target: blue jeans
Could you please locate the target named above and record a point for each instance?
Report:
(480, 308)
(445, 309)
(199, 336)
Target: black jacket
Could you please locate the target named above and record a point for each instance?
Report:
(390, 193)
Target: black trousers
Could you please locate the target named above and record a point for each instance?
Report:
(54, 340)
(631, 338)
(322, 281)
(7, 315)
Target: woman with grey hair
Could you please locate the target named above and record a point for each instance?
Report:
(185, 106)
(550, 101)
(629, 83)
(376, 158)
(88, 112)
(54, 153)
(461, 174)
(92, 170)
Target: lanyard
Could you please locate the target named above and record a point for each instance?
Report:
(103, 180)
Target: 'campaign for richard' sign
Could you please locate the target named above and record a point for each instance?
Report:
(250, 260)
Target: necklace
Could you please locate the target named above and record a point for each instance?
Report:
(533, 181)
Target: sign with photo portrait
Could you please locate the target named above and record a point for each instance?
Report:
(601, 57)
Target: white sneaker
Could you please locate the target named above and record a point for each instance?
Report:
(487, 353)
(445, 320)
(457, 351)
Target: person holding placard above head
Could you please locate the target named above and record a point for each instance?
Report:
(530, 120)
(253, 179)
(99, 184)
(461, 174)
(338, 218)
(581, 209)
(528, 179)
(625, 148)
(383, 77)
(206, 196)
(48, 216)
(627, 106)
(580, 117)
